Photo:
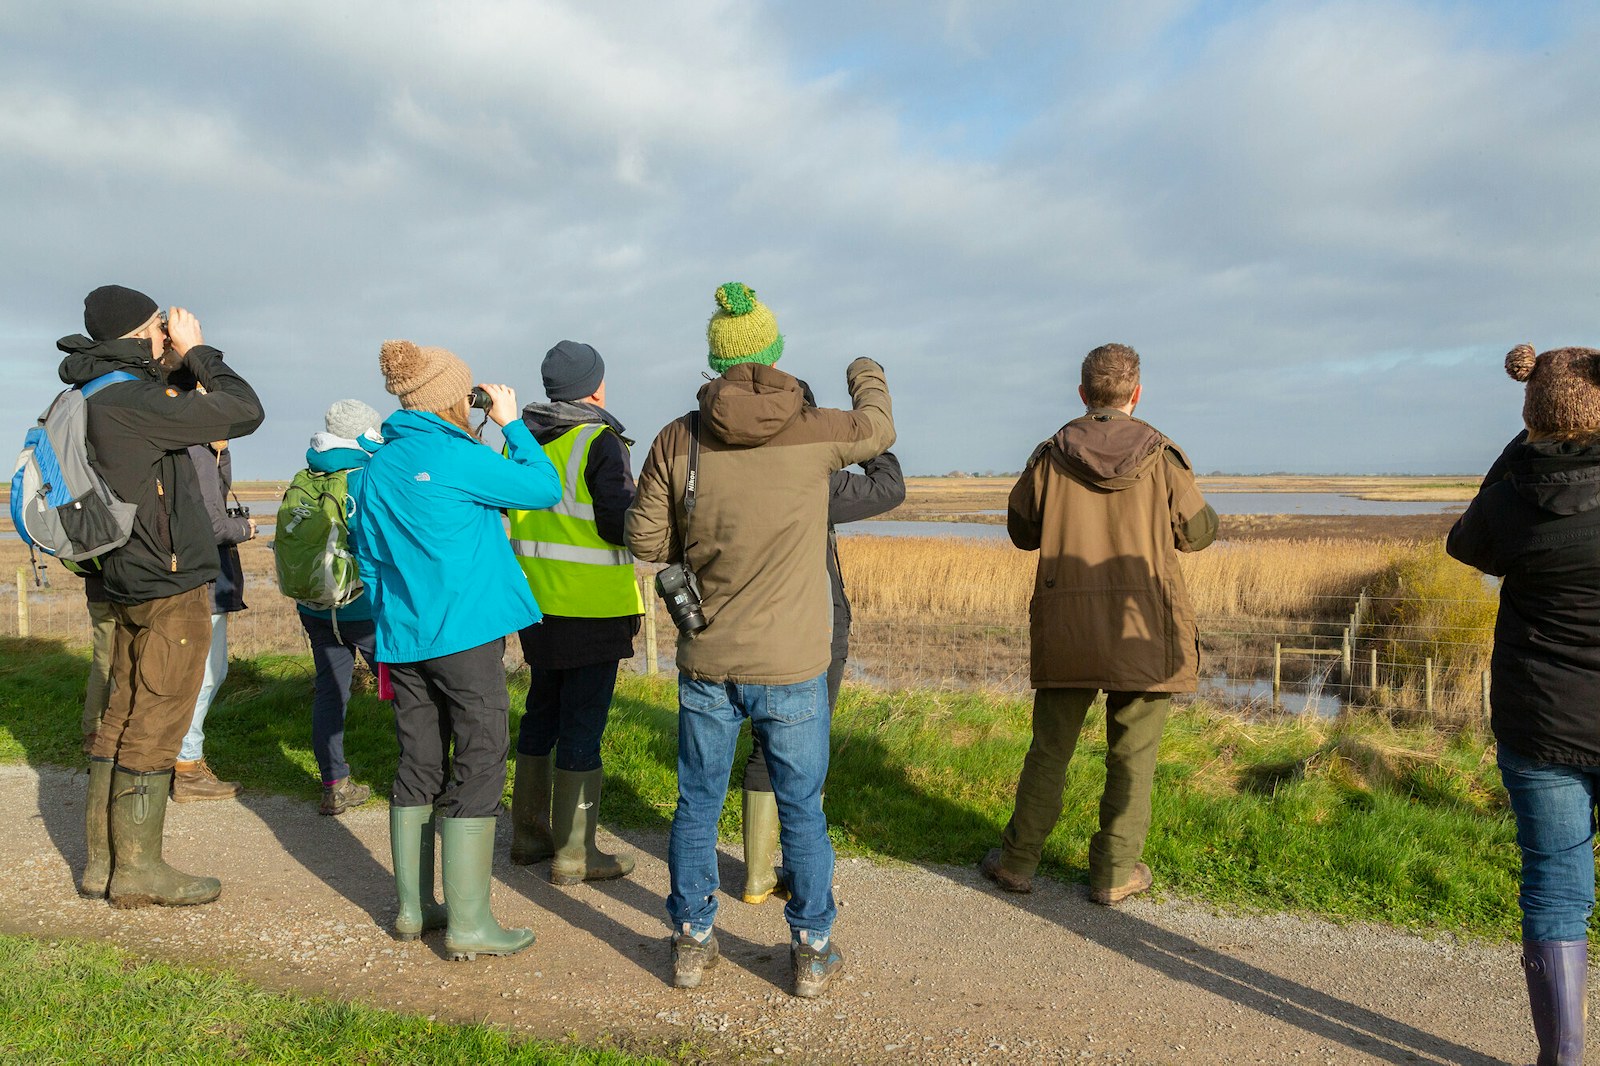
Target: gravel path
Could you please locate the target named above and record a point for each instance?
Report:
(940, 967)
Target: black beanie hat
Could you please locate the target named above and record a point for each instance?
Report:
(113, 310)
(571, 371)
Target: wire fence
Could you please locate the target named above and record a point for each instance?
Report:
(1360, 652)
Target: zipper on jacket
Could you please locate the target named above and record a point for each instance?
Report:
(166, 526)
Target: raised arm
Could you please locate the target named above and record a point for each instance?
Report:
(852, 496)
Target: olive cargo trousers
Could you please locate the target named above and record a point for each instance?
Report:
(1133, 737)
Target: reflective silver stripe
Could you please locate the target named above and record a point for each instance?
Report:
(571, 553)
(569, 504)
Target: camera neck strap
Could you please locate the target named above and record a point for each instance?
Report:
(691, 483)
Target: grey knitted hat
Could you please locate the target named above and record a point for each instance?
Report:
(351, 418)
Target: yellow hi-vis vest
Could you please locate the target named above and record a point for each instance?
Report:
(573, 571)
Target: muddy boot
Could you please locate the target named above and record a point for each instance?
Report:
(341, 795)
(139, 877)
(468, 854)
(531, 841)
(1558, 993)
(194, 781)
(97, 830)
(411, 846)
(575, 816)
(760, 845)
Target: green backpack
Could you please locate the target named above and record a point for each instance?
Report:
(312, 542)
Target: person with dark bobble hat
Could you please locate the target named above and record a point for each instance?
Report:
(140, 427)
(1535, 523)
(579, 569)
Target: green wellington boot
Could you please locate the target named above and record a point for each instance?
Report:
(468, 855)
(574, 817)
(97, 830)
(760, 845)
(411, 845)
(137, 818)
(531, 841)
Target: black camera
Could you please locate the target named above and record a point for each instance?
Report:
(480, 399)
(679, 586)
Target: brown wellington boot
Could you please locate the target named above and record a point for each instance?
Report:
(193, 781)
(138, 817)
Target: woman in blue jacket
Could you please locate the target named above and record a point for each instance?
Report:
(445, 592)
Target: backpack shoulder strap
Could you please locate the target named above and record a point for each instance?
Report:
(89, 388)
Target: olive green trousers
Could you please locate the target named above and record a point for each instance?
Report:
(1133, 738)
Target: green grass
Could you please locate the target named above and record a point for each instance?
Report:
(1350, 820)
(74, 1002)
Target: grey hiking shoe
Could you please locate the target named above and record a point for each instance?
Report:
(341, 795)
(990, 867)
(691, 958)
(1138, 881)
(814, 967)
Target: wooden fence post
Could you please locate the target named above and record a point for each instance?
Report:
(1277, 670)
(649, 596)
(1427, 691)
(1347, 677)
(22, 601)
(1372, 672)
(1486, 699)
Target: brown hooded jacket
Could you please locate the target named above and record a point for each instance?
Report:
(1108, 503)
(759, 535)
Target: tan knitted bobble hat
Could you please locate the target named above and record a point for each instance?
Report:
(425, 379)
(1563, 397)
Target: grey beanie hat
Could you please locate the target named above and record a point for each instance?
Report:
(571, 371)
(351, 418)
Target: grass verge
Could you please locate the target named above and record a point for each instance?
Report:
(70, 1002)
(1349, 819)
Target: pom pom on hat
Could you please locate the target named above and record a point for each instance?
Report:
(424, 379)
(1520, 362)
(742, 331)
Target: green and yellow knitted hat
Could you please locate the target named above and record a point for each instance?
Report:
(742, 330)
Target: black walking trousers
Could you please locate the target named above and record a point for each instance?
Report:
(460, 698)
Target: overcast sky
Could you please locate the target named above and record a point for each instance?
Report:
(1322, 225)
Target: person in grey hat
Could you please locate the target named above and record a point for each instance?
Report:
(351, 435)
(582, 575)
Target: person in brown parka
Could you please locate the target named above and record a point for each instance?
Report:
(1108, 503)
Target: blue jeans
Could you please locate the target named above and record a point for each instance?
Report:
(1555, 810)
(334, 655)
(792, 722)
(194, 741)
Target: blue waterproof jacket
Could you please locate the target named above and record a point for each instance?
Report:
(331, 460)
(433, 549)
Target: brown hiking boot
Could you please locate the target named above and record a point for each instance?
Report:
(991, 868)
(341, 795)
(1138, 881)
(192, 781)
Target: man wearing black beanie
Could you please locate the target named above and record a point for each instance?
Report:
(141, 421)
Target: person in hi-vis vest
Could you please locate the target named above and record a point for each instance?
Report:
(583, 578)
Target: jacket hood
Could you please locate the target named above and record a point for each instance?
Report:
(410, 423)
(1108, 449)
(750, 403)
(86, 359)
(335, 454)
(562, 415)
(1561, 477)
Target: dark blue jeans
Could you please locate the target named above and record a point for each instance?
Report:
(1555, 810)
(566, 710)
(792, 722)
(335, 660)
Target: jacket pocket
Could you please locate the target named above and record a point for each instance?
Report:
(171, 660)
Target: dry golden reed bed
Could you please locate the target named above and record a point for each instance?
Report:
(964, 580)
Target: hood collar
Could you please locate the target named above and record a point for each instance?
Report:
(1108, 448)
(86, 359)
(558, 413)
(1561, 477)
(750, 403)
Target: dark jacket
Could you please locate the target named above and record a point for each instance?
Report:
(1108, 503)
(560, 642)
(139, 435)
(851, 498)
(760, 525)
(1538, 528)
(215, 472)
